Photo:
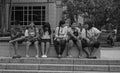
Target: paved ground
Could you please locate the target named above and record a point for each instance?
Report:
(110, 53)
(96, 72)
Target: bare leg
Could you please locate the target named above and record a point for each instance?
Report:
(16, 47)
(69, 47)
(43, 48)
(79, 46)
(13, 47)
(47, 47)
(86, 50)
(27, 48)
(94, 51)
(37, 48)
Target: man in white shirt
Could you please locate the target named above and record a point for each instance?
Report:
(90, 36)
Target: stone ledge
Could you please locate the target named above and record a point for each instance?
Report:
(7, 50)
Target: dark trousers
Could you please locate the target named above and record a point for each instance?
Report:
(59, 46)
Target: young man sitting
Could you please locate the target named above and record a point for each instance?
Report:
(90, 36)
(17, 37)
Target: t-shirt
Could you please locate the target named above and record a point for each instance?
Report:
(75, 31)
(31, 32)
(16, 33)
(61, 32)
(90, 33)
(83, 33)
(46, 35)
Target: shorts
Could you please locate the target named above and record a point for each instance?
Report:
(31, 39)
(45, 40)
(84, 43)
(95, 44)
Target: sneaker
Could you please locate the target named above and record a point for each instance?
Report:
(16, 56)
(45, 56)
(80, 56)
(92, 57)
(59, 56)
(27, 56)
(37, 56)
(70, 56)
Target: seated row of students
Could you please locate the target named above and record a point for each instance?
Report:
(80, 37)
(63, 36)
(32, 36)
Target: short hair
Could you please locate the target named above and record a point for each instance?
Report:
(90, 24)
(72, 23)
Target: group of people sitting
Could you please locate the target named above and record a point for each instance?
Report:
(64, 36)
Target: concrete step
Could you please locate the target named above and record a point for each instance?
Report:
(60, 67)
(43, 71)
(5, 39)
(74, 61)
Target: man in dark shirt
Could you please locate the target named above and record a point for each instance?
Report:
(17, 37)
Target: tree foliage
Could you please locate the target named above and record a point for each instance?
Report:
(100, 11)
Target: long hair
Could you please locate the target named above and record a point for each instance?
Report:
(60, 24)
(47, 25)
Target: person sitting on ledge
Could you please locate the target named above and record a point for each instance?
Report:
(90, 36)
(46, 39)
(60, 38)
(17, 37)
(32, 36)
(73, 37)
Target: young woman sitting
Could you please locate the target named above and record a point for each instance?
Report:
(32, 36)
(46, 39)
(60, 38)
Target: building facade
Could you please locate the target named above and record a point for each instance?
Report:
(25, 11)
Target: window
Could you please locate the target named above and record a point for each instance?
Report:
(26, 14)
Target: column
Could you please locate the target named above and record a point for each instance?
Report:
(52, 14)
(3, 15)
(58, 11)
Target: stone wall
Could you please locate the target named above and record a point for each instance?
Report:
(6, 50)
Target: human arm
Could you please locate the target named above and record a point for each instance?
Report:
(96, 33)
(37, 33)
(71, 33)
